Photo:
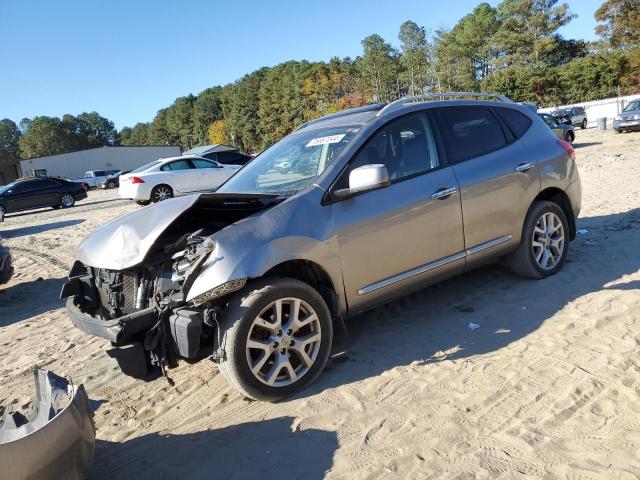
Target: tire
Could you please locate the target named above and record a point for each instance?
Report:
(111, 186)
(3, 212)
(67, 200)
(161, 192)
(583, 125)
(255, 301)
(617, 131)
(525, 260)
(569, 137)
(143, 203)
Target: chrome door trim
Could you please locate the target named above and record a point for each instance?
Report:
(430, 266)
(411, 273)
(446, 192)
(489, 244)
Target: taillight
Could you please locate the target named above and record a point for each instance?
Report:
(568, 148)
(136, 180)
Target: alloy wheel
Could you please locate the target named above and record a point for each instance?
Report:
(283, 342)
(548, 241)
(67, 200)
(162, 193)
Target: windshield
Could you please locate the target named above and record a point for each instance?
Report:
(292, 164)
(635, 105)
(145, 166)
(7, 187)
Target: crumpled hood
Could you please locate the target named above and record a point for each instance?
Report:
(125, 241)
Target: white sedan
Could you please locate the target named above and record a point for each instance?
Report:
(171, 177)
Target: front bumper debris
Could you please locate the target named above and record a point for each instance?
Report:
(54, 438)
(118, 331)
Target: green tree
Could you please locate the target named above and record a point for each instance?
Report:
(207, 108)
(240, 108)
(379, 69)
(9, 136)
(527, 32)
(138, 135)
(179, 122)
(44, 136)
(619, 22)
(415, 58)
(159, 132)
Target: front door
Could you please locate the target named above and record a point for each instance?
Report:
(405, 235)
(181, 176)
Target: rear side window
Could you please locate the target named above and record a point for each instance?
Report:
(517, 122)
(177, 165)
(198, 163)
(470, 132)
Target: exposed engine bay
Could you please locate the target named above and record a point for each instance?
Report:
(143, 310)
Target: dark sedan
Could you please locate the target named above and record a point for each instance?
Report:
(112, 181)
(29, 193)
(6, 268)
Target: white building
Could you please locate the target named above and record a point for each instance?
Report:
(74, 164)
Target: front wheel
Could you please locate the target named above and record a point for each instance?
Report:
(569, 137)
(544, 244)
(67, 200)
(277, 336)
(583, 125)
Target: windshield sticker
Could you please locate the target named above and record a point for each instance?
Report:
(325, 140)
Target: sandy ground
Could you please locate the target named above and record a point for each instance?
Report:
(547, 387)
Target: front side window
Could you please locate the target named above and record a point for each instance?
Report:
(470, 132)
(177, 165)
(292, 164)
(405, 146)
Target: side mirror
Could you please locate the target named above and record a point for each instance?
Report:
(363, 179)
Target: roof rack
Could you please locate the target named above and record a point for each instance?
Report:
(440, 96)
(350, 111)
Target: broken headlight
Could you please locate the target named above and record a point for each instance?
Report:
(219, 291)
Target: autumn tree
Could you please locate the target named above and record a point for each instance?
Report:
(619, 23)
(217, 132)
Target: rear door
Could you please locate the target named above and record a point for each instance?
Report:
(497, 180)
(181, 176)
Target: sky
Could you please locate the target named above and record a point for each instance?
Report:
(126, 59)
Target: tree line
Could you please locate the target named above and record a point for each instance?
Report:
(513, 49)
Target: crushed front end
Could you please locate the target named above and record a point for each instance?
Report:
(142, 309)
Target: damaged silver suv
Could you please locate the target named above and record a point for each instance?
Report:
(376, 202)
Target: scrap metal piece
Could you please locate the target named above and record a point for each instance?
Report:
(53, 438)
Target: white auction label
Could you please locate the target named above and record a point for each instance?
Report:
(325, 140)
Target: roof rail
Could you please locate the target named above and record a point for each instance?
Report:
(440, 96)
(350, 111)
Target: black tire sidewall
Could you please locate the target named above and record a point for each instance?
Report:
(533, 217)
(239, 318)
(155, 189)
(67, 206)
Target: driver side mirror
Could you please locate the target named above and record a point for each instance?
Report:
(363, 179)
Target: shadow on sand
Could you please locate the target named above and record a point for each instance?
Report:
(25, 300)
(24, 231)
(267, 449)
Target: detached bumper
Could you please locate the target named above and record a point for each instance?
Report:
(118, 331)
(57, 440)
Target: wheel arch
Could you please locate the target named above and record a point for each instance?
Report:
(313, 274)
(560, 198)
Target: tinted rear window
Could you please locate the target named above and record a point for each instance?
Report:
(470, 132)
(517, 122)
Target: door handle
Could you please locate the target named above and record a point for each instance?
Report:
(524, 167)
(443, 193)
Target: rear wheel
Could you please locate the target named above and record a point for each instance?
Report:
(569, 137)
(111, 185)
(67, 200)
(277, 336)
(160, 193)
(544, 244)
